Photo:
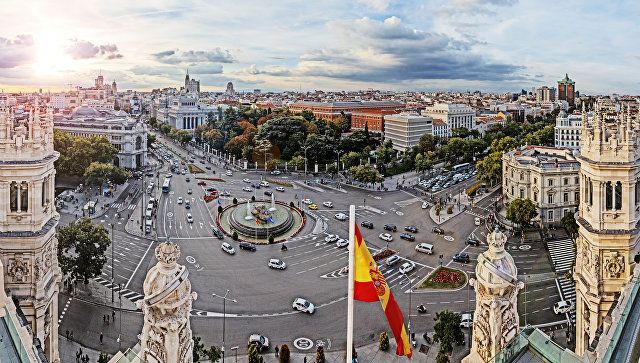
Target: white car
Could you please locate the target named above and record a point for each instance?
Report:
(476, 221)
(180, 200)
(307, 201)
(331, 238)
(386, 237)
(189, 218)
(342, 243)
(280, 189)
(406, 267)
(228, 248)
(264, 184)
(425, 205)
(277, 264)
(562, 307)
(328, 204)
(247, 189)
(229, 173)
(341, 217)
(303, 305)
(466, 321)
(246, 180)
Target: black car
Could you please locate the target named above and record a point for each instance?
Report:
(408, 236)
(267, 193)
(217, 233)
(367, 224)
(437, 230)
(390, 227)
(211, 189)
(412, 229)
(257, 186)
(149, 174)
(207, 167)
(247, 246)
(472, 241)
(461, 257)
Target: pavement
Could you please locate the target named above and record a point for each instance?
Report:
(81, 198)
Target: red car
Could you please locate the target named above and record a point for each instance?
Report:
(202, 183)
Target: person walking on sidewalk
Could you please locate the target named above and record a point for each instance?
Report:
(101, 337)
(113, 315)
(277, 349)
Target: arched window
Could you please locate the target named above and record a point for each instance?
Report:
(618, 195)
(138, 143)
(608, 196)
(24, 196)
(13, 196)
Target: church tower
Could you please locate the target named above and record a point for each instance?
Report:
(28, 222)
(608, 217)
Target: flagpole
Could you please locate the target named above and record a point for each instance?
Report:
(352, 242)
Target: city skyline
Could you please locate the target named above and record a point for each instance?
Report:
(498, 45)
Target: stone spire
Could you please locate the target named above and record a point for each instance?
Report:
(166, 333)
(496, 315)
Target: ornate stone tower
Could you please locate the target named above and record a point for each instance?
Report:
(609, 213)
(27, 222)
(496, 316)
(166, 334)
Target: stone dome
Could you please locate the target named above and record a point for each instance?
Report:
(85, 111)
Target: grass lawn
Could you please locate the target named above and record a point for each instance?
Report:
(444, 278)
(194, 169)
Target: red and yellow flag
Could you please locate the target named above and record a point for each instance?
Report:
(369, 285)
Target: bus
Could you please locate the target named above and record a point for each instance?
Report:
(461, 167)
(165, 185)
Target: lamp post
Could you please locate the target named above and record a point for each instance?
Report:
(236, 350)
(409, 309)
(224, 315)
(305, 162)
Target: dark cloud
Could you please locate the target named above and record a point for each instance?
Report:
(83, 49)
(15, 52)
(216, 55)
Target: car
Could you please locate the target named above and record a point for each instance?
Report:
(466, 320)
(217, 232)
(406, 267)
(412, 229)
(280, 189)
(268, 193)
(183, 172)
(461, 257)
(247, 246)
(207, 167)
(313, 206)
(276, 172)
(225, 193)
(189, 218)
(342, 243)
(390, 261)
(277, 264)
(229, 173)
(331, 238)
(180, 200)
(307, 201)
(425, 205)
(341, 217)
(367, 224)
(169, 175)
(476, 221)
(260, 341)
(246, 180)
(437, 230)
(425, 248)
(189, 191)
(211, 189)
(390, 227)
(408, 236)
(187, 204)
(303, 305)
(328, 204)
(187, 179)
(202, 183)
(386, 237)
(264, 183)
(255, 186)
(149, 174)
(562, 307)
(473, 241)
(247, 189)
(228, 248)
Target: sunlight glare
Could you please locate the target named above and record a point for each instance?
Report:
(50, 57)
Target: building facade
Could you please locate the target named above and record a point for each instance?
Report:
(126, 134)
(373, 118)
(405, 129)
(567, 131)
(332, 111)
(191, 85)
(28, 220)
(547, 176)
(454, 115)
(567, 90)
(545, 94)
(608, 219)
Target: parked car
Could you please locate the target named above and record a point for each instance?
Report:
(406, 267)
(425, 205)
(342, 243)
(328, 204)
(407, 236)
(226, 247)
(390, 261)
(466, 320)
(331, 238)
(367, 224)
(562, 307)
(461, 257)
(260, 341)
(247, 246)
(277, 264)
(425, 248)
(386, 237)
(341, 217)
(437, 230)
(303, 305)
(390, 227)
(412, 229)
(218, 233)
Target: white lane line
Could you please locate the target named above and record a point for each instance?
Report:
(139, 263)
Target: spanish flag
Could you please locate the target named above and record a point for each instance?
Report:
(369, 285)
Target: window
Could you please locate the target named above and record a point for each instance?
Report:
(566, 181)
(576, 197)
(521, 176)
(565, 197)
(521, 193)
(637, 191)
(550, 182)
(550, 216)
(618, 201)
(13, 196)
(535, 196)
(512, 190)
(550, 198)
(608, 196)
(535, 180)
(575, 180)
(24, 196)
(44, 191)
(590, 192)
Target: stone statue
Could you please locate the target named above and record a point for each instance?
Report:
(166, 333)
(496, 319)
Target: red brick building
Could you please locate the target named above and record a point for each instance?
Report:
(373, 117)
(332, 111)
(567, 90)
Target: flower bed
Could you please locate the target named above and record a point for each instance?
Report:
(382, 254)
(194, 169)
(280, 182)
(210, 178)
(444, 278)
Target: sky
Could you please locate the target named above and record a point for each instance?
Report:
(430, 45)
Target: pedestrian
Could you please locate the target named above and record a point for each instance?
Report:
(101, 337)
(81, 352)
(113, 315)
(67, 334)
(72, 335)
(77, 355)
(277, 349)
(104, 319)
(107, 319)
(305, 360)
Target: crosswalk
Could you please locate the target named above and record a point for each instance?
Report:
(567, 290)
(562, 254)
(126, 293)
(406, 202)
(117, 206)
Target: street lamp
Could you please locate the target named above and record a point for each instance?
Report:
(409, 309)
(224, 315)
(305, 161)
(236, 350)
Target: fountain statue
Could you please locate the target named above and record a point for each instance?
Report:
(273, 203)
(249, 216)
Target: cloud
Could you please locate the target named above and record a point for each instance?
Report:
(16, 52)
(268, 70)
(83, 49)
(217, 55)
(378, 5)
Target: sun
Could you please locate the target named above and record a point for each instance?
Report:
(50, 57)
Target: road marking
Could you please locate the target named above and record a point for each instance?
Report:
(138, 266)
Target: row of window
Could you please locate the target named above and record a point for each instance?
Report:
(565, 181)
(550, 196)
(19, 194)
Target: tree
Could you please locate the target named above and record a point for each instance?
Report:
(197, 348)
(151, 138)
(296, 162)
(570, 224)
(428, 142)
(438, 208)
(284, 354)
(490, 168)
(320, 355)
(365, 173)
(504, 144)
(252, 354)
(103, 358)
(448, 331)
(98, 173)
(384, 341)
(76, 152)
(214, 353)
(350, 159)
(81, 248)
(521, 212)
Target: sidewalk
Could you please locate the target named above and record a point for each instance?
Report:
(444, 216)
(81, 198)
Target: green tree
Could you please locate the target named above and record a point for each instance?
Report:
(350, 159)
(103, 358)
(365, 173)
(570, 224)
(490, 168)
(214, 353)
(321, 148)
(151, 138)
(504, 144)
(98, 174)
(442, 357)
(448, 331)
(521, 212)
(384, 341)
(81, 249)
(428, 142)
(296, 162)
(198, 347)
(252, 354)
(284, 354)
(76, 152)
(320, 355)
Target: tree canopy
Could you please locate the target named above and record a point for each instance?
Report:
(98, 173)
(521, 211)
(81, 248)
(448, 331)
(77, 153)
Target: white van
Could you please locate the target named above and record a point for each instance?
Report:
(149, 190)
(425, 248)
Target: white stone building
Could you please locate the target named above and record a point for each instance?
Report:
(545, 175)
(453, 114)
(567, 131)
(405, 129)
(440, 128)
